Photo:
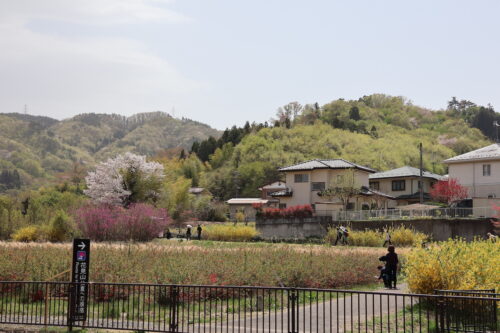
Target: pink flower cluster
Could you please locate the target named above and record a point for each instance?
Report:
(140, 222)
(299, 211)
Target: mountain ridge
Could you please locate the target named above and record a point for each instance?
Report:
(40, 147)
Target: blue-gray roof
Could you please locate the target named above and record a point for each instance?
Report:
(325, 164)
(406, 171)
(486, 153)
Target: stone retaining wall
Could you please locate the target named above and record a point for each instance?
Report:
(439, 229)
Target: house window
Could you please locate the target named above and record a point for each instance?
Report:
(282, 205)
(375, 186)
(301, 178)
(350, 206)
(398, 185)
(486, 169)
(318, 186)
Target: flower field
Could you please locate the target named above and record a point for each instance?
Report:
(188, 263)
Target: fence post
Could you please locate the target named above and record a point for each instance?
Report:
(71, 299)
(174, 301)
(441, 309)
(292, 308)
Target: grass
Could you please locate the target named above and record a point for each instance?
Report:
(414, 318)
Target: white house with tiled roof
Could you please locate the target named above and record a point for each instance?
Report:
(403, 184)
(304, 181)
(478, 170)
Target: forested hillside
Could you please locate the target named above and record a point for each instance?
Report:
(379, 131)
(35, 150)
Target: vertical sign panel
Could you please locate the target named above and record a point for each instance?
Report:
(80, 274)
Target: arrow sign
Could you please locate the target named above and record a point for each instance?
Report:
(79, 278)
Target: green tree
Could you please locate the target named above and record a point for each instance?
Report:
(344, 188)
(61, 227)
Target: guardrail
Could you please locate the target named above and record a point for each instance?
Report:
(401, 214)
(192, 308)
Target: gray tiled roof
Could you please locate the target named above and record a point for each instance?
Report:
(368, 191)
(485, 153)
(406, 171)
(325, 164)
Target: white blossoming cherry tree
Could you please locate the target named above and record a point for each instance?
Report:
(125, 179)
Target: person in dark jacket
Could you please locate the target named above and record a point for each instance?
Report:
(391, 264)
(188, 233)
(198, 231)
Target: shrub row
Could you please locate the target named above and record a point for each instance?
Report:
(140, 222)
(299, 211)
(229, 232)
(400, 236)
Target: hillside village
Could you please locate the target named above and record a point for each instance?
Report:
(478, 171)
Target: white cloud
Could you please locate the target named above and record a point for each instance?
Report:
(60, 76)
(91, 11)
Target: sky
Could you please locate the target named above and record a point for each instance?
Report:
(223, 62)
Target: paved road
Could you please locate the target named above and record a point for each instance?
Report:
(339, 314)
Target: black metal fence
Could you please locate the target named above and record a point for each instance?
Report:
(224, 309)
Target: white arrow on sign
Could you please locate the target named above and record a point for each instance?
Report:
(81, 245)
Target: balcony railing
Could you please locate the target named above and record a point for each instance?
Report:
(403, 214)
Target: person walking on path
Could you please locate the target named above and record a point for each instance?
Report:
(392, 265)
(342, 235)
(199, 230)
(188, 232)
(387, 240)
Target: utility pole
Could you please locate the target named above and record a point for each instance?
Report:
(421, 183)
(495, 123)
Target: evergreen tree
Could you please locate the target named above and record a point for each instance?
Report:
(182, 155)
(354, 113)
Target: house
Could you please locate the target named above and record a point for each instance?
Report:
(479, 172)
(245, 205)
(266, 190)
(305, 181)
(403, 184)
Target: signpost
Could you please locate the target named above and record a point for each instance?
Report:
(79, 279)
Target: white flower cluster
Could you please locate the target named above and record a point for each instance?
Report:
(105, 185)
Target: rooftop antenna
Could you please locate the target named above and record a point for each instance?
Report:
(495, 123)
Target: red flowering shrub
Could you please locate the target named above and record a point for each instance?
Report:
(448, 191)
(140, 222)
(300, 211)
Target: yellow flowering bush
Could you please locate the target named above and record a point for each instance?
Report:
(28, 234)
(454, 264)
(400, 236)
(229, 232)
